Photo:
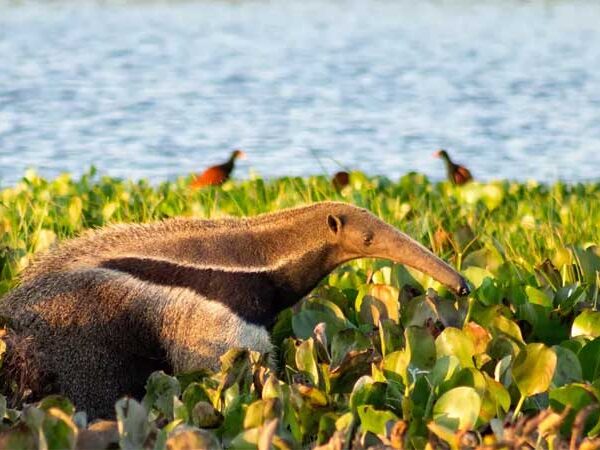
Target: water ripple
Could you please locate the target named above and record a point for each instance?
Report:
(158, 90)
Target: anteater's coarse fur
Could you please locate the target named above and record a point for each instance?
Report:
(106, 309)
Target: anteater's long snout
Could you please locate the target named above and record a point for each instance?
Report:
(404, 250)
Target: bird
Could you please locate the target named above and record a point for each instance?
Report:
(340, 180)
(457, 174)
(219, 174)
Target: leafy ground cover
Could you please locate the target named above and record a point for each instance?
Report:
(378, 354)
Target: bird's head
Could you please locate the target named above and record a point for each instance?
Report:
(238, 154)
(441, 153)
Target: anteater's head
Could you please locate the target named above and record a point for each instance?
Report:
(356, 233)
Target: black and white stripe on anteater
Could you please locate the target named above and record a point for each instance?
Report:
(106, 309)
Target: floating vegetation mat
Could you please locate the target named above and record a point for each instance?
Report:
(378, 356)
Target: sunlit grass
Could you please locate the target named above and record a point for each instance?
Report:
(529, 222)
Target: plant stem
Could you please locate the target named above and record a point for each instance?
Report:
(518, 408)
(429, 405)
(471, 300)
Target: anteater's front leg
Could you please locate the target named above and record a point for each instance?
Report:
(197, 331)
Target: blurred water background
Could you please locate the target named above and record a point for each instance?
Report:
(156, 90)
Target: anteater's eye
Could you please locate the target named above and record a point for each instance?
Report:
(367, 239)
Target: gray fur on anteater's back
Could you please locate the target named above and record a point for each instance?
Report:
(104, 310)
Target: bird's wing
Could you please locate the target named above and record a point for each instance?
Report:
(462, 175)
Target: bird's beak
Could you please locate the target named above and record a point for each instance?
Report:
(242, 155)
(437, 154)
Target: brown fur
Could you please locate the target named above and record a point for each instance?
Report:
(22, 373)
(108, 308)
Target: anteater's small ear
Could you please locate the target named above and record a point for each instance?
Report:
(334, 223)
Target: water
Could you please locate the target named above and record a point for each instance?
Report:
(156, 90)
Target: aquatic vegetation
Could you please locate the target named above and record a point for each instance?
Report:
(378, 354)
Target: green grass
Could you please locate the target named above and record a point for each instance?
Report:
(399, 361)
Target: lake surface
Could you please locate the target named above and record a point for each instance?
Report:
(158, 90)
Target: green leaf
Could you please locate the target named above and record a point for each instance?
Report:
(476, 275)
(193, 394)
(134, 427)
(59, 402)
(375, 302)
(390, 336)
(547, 327)
(444, 369)
(59, 430)
(495, 401)
(247, 440)
(234, 418)
(478, 335)
(576, 396)
(368, 392)
(489, 292)
(487, 258)
(589, 357)
(586, 324)
(502, 346)
(326, 427)
(493, 195)
(445, 434)
(395, 366)
(502, 326)
(418, 311)
(345, 342)
(260, 411)
(468, 376)
(574, 344)
(570, 295)
(283, 327)
(589, 263)
(538, 297)
(312, 395)
(204, 415)
(161, 389)
(375, 421)
(235, 365)
(568, 368)
(355, 364)
(422, 347)
(455, 342)
(304, 322)
(306, 360)
(458, 408)
(345, 423)
(533, 369)
(272, 388)
(331, 294)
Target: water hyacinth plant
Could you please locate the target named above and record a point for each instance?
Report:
(378, 354)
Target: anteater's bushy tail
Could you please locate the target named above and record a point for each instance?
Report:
(22, 378)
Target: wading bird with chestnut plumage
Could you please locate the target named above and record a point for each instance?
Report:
(219, 174)
(457, 174)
